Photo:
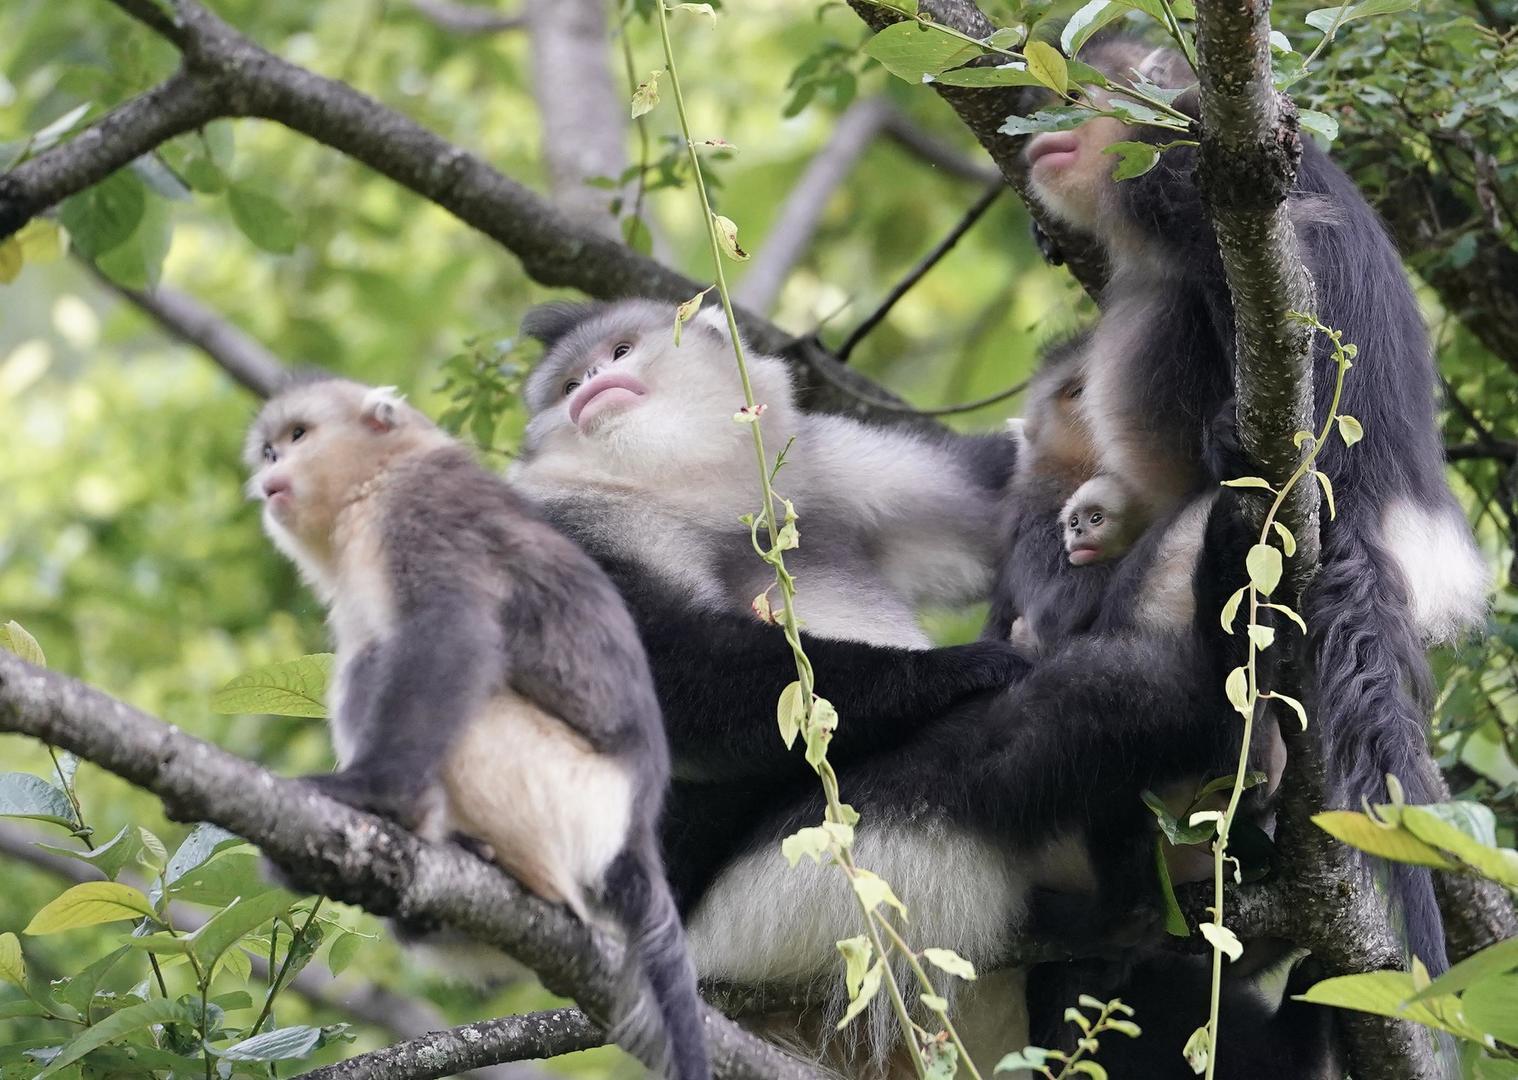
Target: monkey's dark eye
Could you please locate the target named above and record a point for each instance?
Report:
(1075, 521)
(622, 349)
(571, 386)
(1097, 517)
(296, 432)
(268, 452)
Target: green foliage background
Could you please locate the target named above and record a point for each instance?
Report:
(126, 545)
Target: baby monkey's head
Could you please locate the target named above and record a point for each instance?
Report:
(314, 446)
(1099, 521)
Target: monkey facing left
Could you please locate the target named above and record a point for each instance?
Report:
(489, 680)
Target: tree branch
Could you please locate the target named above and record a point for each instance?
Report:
(343, 853)
(459, 18)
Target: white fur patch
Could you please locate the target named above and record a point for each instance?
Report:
(1169, 600)
(1447, 579)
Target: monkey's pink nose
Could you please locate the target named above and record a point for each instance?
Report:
(276, 485)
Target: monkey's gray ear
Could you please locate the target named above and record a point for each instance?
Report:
(549, 322)
(381, 409)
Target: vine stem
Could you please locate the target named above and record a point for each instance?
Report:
(786, 584)
(279, 979)
(1251, 667)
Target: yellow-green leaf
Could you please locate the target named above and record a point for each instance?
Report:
(90, 904)
(857, 953)
(1387, 993)
(11, 259)
(1237, 688)
(1293, 704)
(934, 1002)
(1261, 637)
(646, 96)
(869, 986)
(1264, 565)
(911, 51)
(812, 842)
(1222, 939)
(727, 237)
(1328, 493)
(1359, 831)
(791, 709)
(14, 636)
(1249, 482)
(687, 311)
(1231, 608)
(949, 961)
(1350, 430)
(1498, 864)
(1290, 614)
(290, 688)
(1047, 66)
(12, 966)
(1288, 541)
(873, 891)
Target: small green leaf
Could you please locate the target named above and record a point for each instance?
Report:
(869, 986)
(910, 50)
(226, 928)
(1249, 482)
(289, 688)
(1237, 689)
(1231, 608)
(934, 1002)
(23, 795)
(1087, 1067)
(342, 951)
(1320, 125)
(687, 311)
(1328, 493)
(14, 636)
(1198, 1050)
(204, 841)
(12, 966)
(1288, 541)
(950, 962)
(696, 9)
(1290, 614)
(1359, 831)
(262, 219)
(1175, 919)
(90, 904)
(873, 891)
(1264, 565)
(646, 96)
(857, 953)
(1029, 1057)
(812, 842)
(1135, 158)
(727, 238)
(1350, 430)
(1047, 65)
(1261, 637)
(281, 1044)
(1291, 703)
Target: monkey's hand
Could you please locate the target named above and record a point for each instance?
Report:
(363, 793)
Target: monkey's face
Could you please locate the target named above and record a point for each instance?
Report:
(618, 395)
(1070, 173)
(1087, 530)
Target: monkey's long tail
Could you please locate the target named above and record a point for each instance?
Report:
(658, 966)
(1373, 687)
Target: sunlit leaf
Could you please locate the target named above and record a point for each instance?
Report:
(17, 639)
(910, 50)
(289, 688)
(90, 904)
(1047, 65)
(1388, 993)
(1264, 565)
(646, 96)
(1134, 158)
(12, 966)
(947, 960)
(1359, 831)
(869, 986)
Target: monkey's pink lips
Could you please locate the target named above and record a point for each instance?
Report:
(1084, 554)
(602, 393)
(1053, 149)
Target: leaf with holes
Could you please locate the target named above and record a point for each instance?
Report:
(727, 238)
(289, 688)
(687, 311)
(646, 96)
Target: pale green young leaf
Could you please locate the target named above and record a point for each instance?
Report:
(873, 891)
(1237, 689)
(90, 904)
(1134, 158)
(153, 854)
(1087, 1067)
(695, 9)
(1498, 864)
(14, 637)
(1328, 493)
(120, 1023)
(950, 962)
(1086, 21)
(869, 986)
(1288, 540)
(841, 834)
(1261, 637)
(1291, 703)
(1222, 939)
(934, 1002)
(1359, 831)
(1029, 1057)
(857, 953)
(289, 688)
(1290, 614)
(1198, 1050)
(812, 842)
(791, 708)
(1076, 1017)
(1264, 565)
(341, 952)
(646, 96)
(911, 51)
(12, 966)
(1125, 1027)
(687, 311)
(1047, 65)
(1350, 430)
(1231, 608)
(727, 237)
(1249, 482)
(281, 1044)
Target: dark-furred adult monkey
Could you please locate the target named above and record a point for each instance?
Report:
(1399, 566)
(489, 681)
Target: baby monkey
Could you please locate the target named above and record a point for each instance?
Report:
(489, 680)
(1098, 521)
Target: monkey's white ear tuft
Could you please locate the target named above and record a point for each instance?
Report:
(381, 409)
(713, 318)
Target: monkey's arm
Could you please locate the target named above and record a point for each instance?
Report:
(408, 697)
(719, 676)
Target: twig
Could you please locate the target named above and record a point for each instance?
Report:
(459, 18)
(917, 273)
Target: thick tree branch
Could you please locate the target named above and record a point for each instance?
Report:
(983, 111)
(340, 852)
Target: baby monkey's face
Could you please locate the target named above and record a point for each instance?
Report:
(1089, 534)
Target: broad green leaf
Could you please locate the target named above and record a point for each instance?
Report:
(1134, 160)
(1492, 1006)
(1325, 129)
(910, 50)
(222, 880)
(226, 928)
(687, 311)
(949, 961)
(1324, 19)
(81, 988)
(727, 238)
(1264, 565)
(281, 1044)
(1498, 959)
(26, 796)
(1047, 65)
(133, 1018)
(342, 952)
(1498, 864)
(110, 857)
(101, 218)
(1231, 608)
(857, 953)
(262, 219)
(17, 638)
(289, 688)
(790, 711)
(1288, 540)
(1087, 21)
(873, 891)
(1387, 993)
(646, 96)
(869, 986)
(90, 904)
(138, 262)
(204, 841)
(1175, 918)
(12, 966)
(1359, 831)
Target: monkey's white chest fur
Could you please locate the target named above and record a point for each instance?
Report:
(554, 812)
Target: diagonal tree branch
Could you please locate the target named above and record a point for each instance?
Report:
(341, 852)
(461, 18)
